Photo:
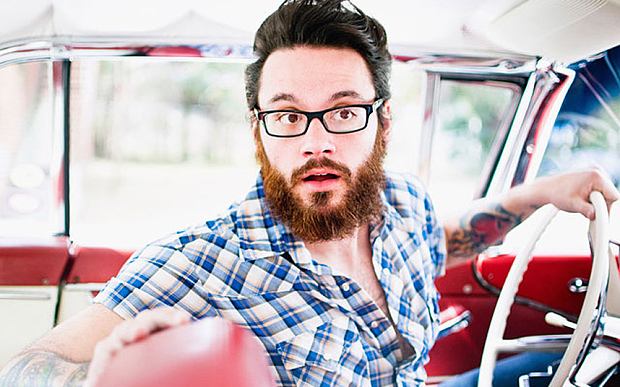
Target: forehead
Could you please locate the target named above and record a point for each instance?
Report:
(315, 75)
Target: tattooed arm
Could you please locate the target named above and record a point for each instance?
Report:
(60, 358)
(489, 219)
(484, 225)
(39, 368)
(76, 352)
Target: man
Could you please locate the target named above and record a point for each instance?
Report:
(329, 260)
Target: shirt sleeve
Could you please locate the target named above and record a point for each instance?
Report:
(156, 276)
(436, 237)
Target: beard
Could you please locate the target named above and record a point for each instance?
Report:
(319, 220)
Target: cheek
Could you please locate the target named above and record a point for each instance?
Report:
(278, 153)
(359, 151)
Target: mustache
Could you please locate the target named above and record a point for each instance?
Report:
(341, 169)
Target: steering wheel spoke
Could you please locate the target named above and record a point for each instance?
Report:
(539, 343)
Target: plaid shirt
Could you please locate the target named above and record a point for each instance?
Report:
(318, 328)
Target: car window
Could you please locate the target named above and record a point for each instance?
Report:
(473, 118)
(29, 190)
(156, 146)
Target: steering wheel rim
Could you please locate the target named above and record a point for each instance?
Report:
(588, 320)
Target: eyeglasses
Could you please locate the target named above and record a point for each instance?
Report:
(340, 119)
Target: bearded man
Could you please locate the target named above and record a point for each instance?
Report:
(330, 260)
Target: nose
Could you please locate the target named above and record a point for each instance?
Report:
(317, 141)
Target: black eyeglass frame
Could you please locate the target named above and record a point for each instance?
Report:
(369, 107)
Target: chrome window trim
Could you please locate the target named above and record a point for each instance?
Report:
(516, 135)
(86, 287)
(432, 95)
(24, 296)
(546, 127)
(541, 84)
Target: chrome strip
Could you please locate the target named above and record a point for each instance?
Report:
(540, 83)
(454, 325)
(57, 79)
(546, 343)
(59, 48)
(89, 287)
(431, 101)
(546, 127)
(503, 170)
(432, 380)
(41, 48)
(21, 296)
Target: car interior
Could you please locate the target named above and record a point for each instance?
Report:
(118, 119)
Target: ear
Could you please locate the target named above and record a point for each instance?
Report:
(255, 126)
(386, 119)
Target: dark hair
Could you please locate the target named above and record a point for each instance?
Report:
(321, 23)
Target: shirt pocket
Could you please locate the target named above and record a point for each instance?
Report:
(330, 355)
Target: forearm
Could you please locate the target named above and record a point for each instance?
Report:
(36, 368)
(489, 220)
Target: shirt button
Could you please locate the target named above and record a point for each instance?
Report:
(386, 272)
(374, 324)
(346, 287)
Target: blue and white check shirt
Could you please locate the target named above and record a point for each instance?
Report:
(318, 328)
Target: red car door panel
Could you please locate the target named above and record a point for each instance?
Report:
(33, 262)
(473, 287)
(95, 264)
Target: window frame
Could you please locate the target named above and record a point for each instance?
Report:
(515, 81)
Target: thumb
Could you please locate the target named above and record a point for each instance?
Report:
(585, 208)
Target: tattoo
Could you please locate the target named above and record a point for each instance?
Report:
(43, 369)
(480, 229)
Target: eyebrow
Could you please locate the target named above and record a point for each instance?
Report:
(282, 97)
(345, 93)
(336, 96)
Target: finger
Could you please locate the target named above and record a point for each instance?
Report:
(606, 186)
(104, 351)
(148, 322)
(128, 332)
(610, 194)
(157, 319)
(586, 209)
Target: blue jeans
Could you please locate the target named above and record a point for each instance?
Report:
(507, 371)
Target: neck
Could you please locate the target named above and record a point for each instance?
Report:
(344, 254)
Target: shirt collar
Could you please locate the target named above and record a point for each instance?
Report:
(260, 233)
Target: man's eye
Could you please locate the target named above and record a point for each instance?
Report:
(345, 114)
(289, 118)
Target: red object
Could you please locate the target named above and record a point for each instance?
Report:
(210, 352)
(545, 281)
(33, 261)
(172, 51)
(95, 264)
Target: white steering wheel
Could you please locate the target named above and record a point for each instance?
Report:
(591, 310)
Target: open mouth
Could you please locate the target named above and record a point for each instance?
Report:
(321, 177)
